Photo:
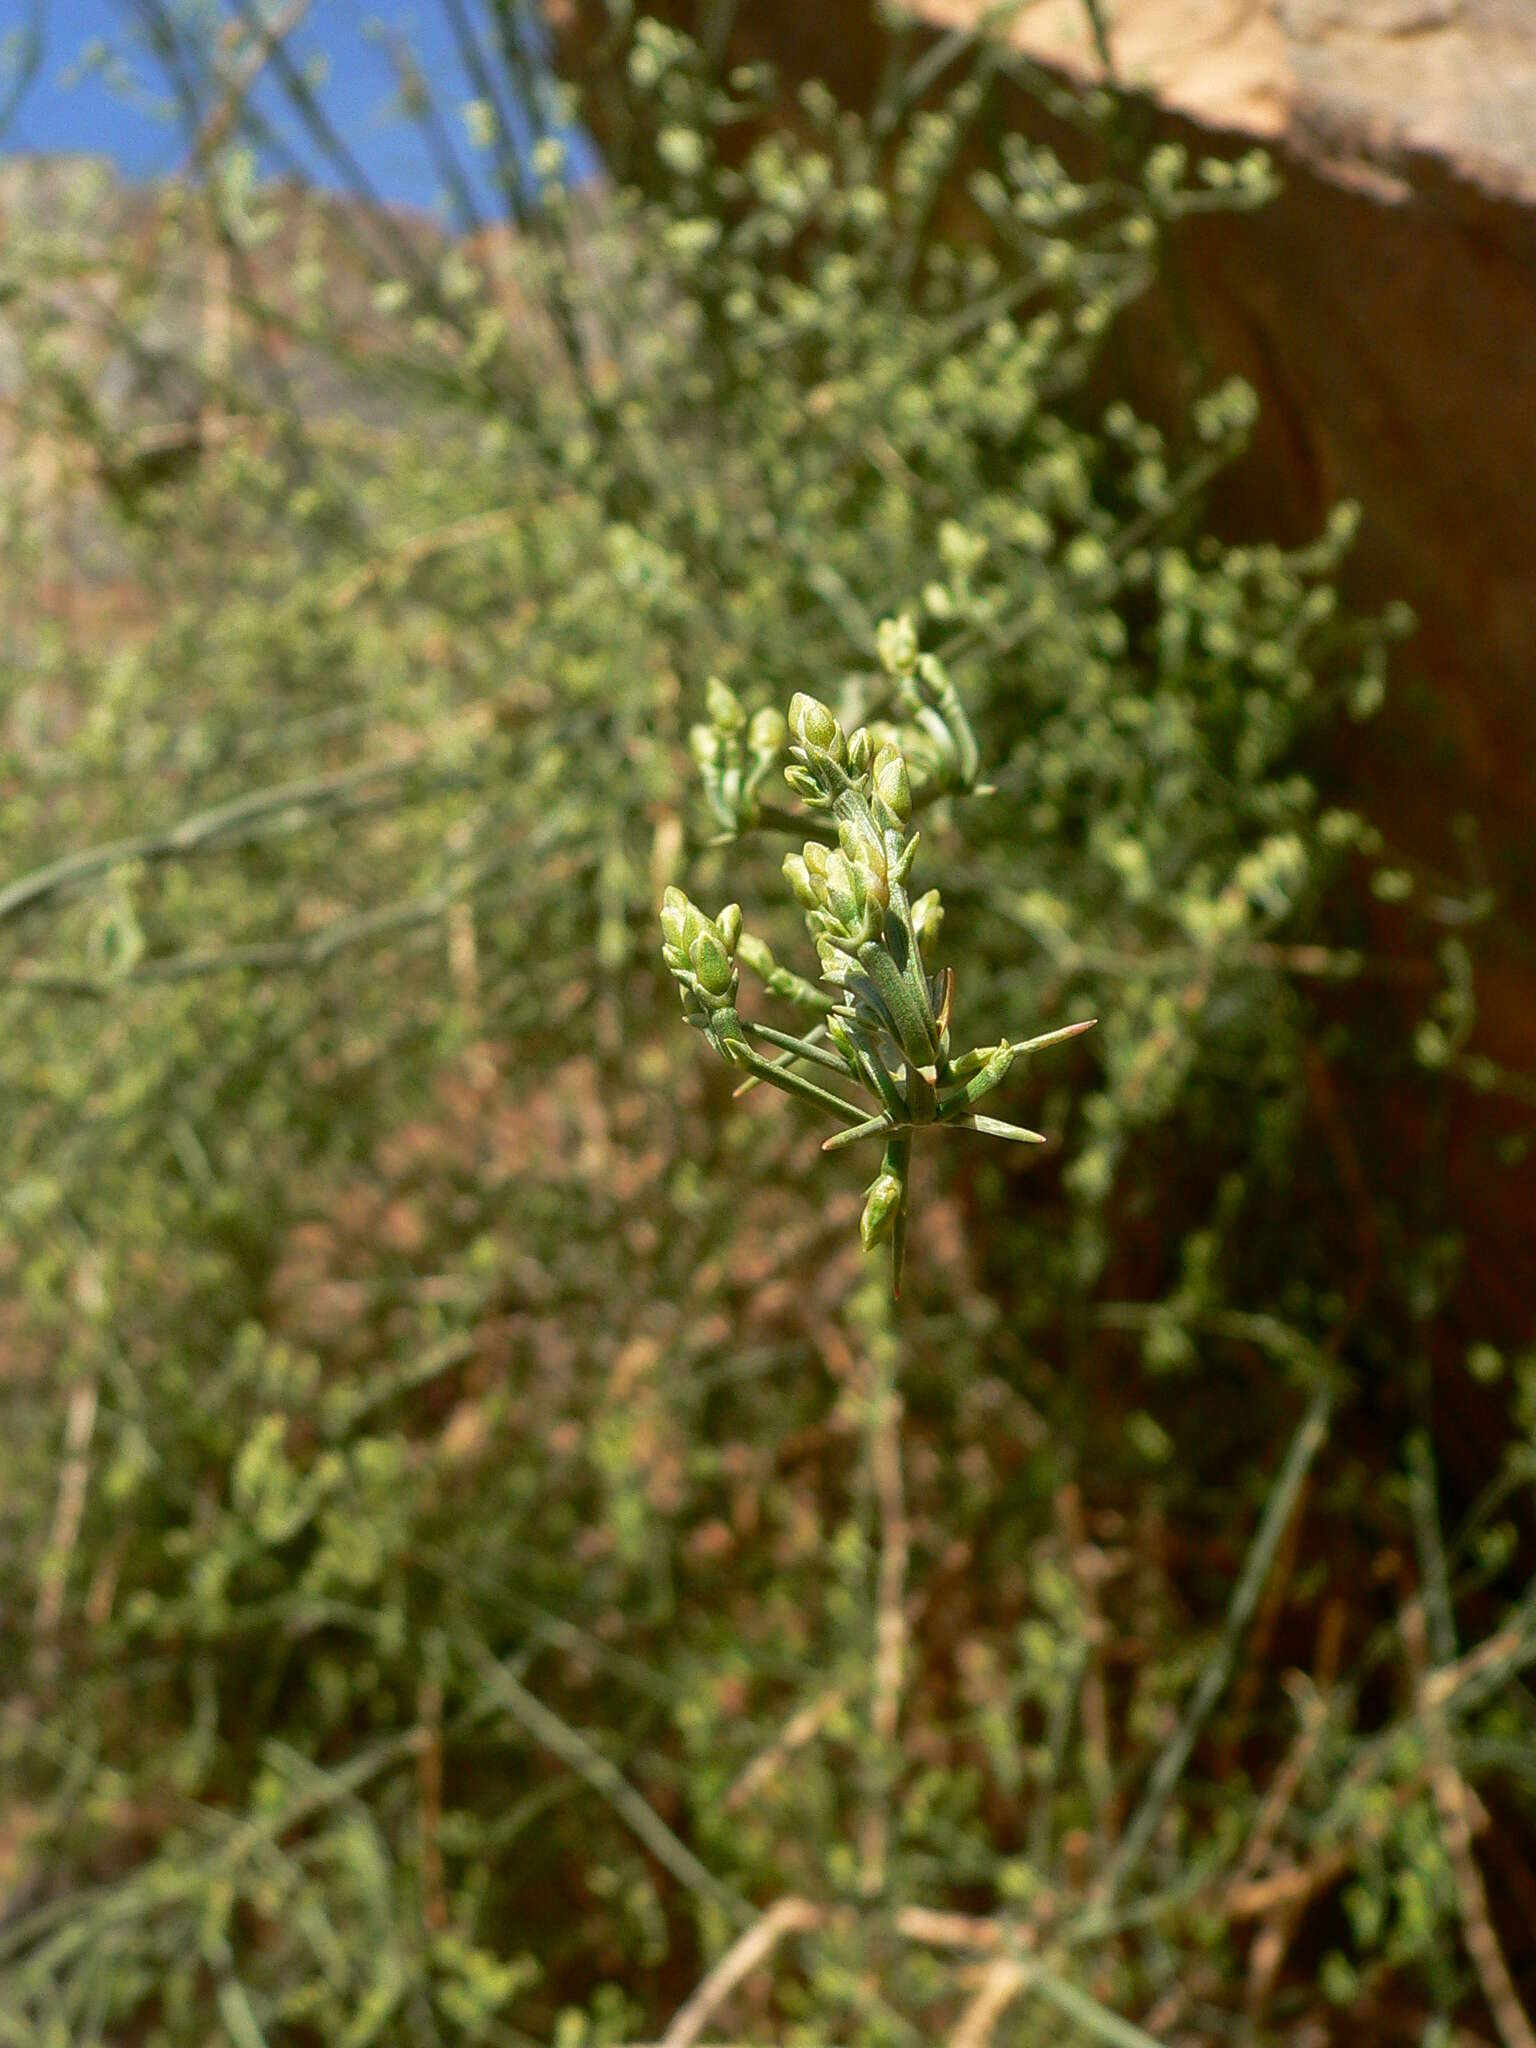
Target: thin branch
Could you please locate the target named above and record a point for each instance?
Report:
(798, 1048)
(1090, 2016)
(1085, 1563)
(890, 1585)
(1169, 1767)
(604, 1777)
(223, 825)
(796, 1084)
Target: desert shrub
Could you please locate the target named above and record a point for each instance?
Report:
(476, 1544)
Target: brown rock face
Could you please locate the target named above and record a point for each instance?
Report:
(1354, 85)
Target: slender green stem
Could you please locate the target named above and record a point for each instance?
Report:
(796, 1084)
(798, 1048)
(788, 1059)
(604, 1777)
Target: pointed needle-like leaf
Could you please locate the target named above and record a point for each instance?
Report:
(989, 1126)
(872, 1127)
(1055, 1037)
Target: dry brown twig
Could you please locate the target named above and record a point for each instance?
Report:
(1457, 1809)
(1279, 1928)
(1001, 1983)
(801, 1728)
(746, 1953)
(74, 1479)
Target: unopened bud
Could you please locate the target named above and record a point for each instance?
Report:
(843, 892)
(872, 884)
(712, 963)
(860, 843)
(927, 918)
(892, 783)
(768, 731)
(799, 878)
(881, 1201)
(728, 924)
(814, 726)
(723, 706)
(896, 645)
(833, 958)
(674, 906)
(704, 745)
(860, 748)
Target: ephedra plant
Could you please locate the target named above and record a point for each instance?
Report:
(886, 1025)
(480, 1557)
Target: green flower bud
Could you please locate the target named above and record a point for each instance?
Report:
(814, 726)
(834, 960)
(799, 878)
(857, 840)
(728, 924)
(704, 745)
(872, 887)
(768, 732)
(712, 963)
(844, 896)
(860, 747)
(754, 954)
(881, 1201)
(896, 645)
(927, 918)
(803, 783)
(674, 906)
(892, 784)
(816, 858)
(842, 1038)
(723, 706)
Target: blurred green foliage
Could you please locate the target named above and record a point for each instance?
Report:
(446, 1541)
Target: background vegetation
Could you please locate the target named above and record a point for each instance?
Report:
(481, 1561)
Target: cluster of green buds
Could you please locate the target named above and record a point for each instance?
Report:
(882, 1019)
(735, 755)
(701, 953)
(936, 734)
